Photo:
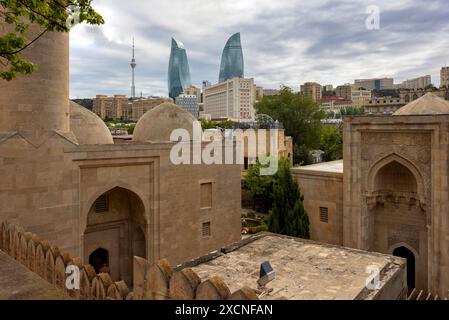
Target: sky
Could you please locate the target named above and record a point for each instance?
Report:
(285, 42)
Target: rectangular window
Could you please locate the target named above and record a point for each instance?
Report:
(102, 204)
(206, 195)
(206, 229)
(324, 214)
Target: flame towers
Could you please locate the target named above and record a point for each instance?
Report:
(178, 70)
(232, 64)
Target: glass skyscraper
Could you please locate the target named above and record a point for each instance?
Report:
(232, 59)
(178, 69)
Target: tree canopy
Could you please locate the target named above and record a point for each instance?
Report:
(301, 118)
(51, 15)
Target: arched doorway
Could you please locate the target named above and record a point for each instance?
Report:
(405, 253)
(99, 259)
(397, 215)
(115, 233)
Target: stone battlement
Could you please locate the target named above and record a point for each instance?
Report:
(156, 281)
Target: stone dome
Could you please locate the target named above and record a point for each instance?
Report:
(87, 127)
(157, 124)
(428, 104)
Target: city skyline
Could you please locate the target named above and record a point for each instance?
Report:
(336, 49)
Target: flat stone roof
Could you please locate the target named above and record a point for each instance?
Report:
(19, 283)
(331, 167)
(305, 270)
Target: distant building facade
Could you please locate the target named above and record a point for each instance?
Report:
(334, 104)
(232, 64)
(233, 99)
(444, 75)
(344, 91)
(360, 97)
(375, 84)
(415, 84)
(188, 102)
(121, 107)
(178, 69)
(313, 90)
(271, 92)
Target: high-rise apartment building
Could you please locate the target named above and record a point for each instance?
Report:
(232, 64)
(375, 84)
(444, 81)
(233, 99)
(178, 70)
(188, 102)
(313, 90)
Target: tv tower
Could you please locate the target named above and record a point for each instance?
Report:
(133, 67)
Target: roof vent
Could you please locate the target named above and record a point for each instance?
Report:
(267, 274)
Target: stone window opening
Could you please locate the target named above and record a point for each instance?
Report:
(324, 214)
(102, 204)
(206, 229)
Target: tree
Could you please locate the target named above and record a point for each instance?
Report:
(51, 15)
(288, 214)
(431, 87)
(352, 111)
(260, 187)
(332, 142)
(300, 116)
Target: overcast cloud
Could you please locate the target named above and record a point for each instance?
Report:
(285, 42)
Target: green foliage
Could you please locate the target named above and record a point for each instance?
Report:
(261, 228)
(131, 128)
(431, 87)
(300, 116)
(86, 103)
(289, 216)
(51, 15)
(352, 111)
(332, 142)
(217, 125)
(259, 186)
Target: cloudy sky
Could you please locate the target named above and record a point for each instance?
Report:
(285, 42)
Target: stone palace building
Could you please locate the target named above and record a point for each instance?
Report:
(390, 194)
(65, 180)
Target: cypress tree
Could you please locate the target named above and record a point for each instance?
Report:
(288, 214)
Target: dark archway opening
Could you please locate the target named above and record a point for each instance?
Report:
(405, 253)
(99, 259)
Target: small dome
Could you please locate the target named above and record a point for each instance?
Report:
(428, 104)
(157, 124)
(87, 127)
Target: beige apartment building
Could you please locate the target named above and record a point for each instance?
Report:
(233, 100)
(415, 84)
(344, 91)
(375, 83)
(121, 107)
(313, 90)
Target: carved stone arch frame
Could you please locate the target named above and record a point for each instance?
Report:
(86, 206)
(405, 245)
(394, 157)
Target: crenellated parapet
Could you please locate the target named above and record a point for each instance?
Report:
(152, 281)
